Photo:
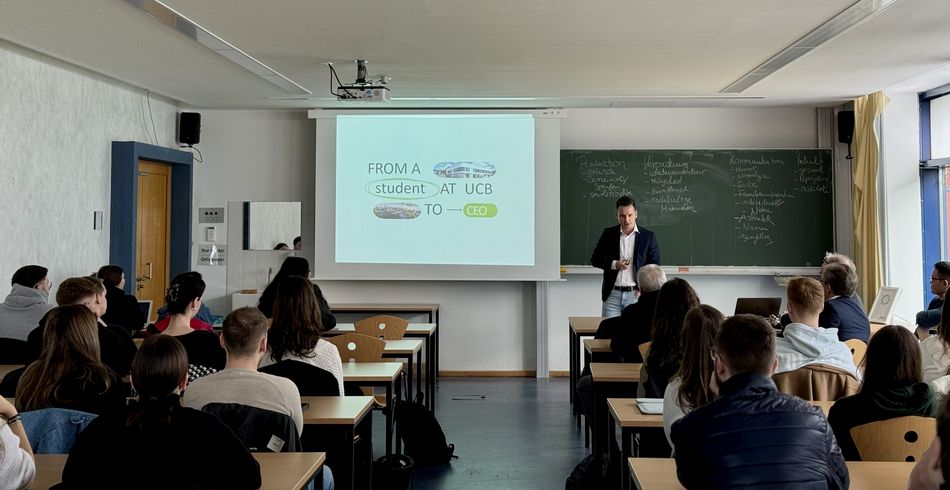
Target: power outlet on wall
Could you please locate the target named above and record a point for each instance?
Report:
(211, 215)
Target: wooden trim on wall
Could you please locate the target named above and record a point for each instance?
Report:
(559, 374)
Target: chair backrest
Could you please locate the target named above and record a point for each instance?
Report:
(645, 350)
(858, 349)
(54, 430)
(310, 380)
(897, 439)
(385, 327)
(260, 430)
(14, 351)
(356, 347)
(817, 382)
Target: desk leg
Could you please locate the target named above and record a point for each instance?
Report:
(438, 328)
(625, 452)
(571, 375)
(347, 464)
(393, 413)
(430, 373)
(390, 419)
(611, 446)
(368, 432)
(419, 371)
(597, 420)
(409, 378)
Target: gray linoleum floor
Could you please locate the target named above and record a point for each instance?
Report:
(520, 436)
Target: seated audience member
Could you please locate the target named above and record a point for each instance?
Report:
(939, 284)
(633, 326)
(282, 246)
(935, 354)
(751, 435)
(803, 341)
(244, 337)
(298, 244)
(183, 299)
(295, 266)
(27, 302)
(666, 349)
(841, 310)
(17, 467)
(296, 327)
(123, 308)
(69, 373)
(188, 283)
(892, 387)
(690, 388)
(833, 258)
(115, 344)
(203, 315)
(126, 449)
(933, 469)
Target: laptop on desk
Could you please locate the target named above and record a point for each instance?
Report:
(146, 307)
(763, 307)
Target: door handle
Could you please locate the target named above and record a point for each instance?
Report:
(149, 265)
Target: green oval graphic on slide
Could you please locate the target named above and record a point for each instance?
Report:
(480, 210)
(402, 189)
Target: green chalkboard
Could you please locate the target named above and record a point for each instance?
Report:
(768, 208)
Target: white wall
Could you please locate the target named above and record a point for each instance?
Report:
(268, 155)
(57, 124)
(900, 203)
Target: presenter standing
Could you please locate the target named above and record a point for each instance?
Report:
(620, 252)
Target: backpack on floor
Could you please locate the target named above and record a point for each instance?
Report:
(422, 434)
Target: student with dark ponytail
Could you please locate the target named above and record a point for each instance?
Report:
(123, 450)
(205, 354)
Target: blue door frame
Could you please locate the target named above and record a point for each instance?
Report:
(125, 171)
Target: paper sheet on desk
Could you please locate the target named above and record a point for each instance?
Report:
(650, 406)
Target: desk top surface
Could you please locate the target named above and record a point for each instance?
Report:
(660, 474)
(371, 371)
(382, 307)
(597, 345)
(585, 325)
(627, 414)
(336, 410)
(402, 347)
(615, 372)
(413, 330)
(278, 470)
(6, 368)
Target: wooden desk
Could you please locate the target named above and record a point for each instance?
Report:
(430, 309)
(384, 374)
(602, 374)
(406, 349)
(660, 474)
(278, 470)
(596, 346)
(340, 415)
(427, 332)
(875, 327)
(579, 326)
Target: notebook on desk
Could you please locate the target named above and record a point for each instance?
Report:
(763, 307)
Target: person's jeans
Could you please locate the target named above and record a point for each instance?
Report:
(616, 302)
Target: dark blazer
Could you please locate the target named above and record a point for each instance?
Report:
(123, 309)
(646, 251)
(635, 329)
(752, 436)
(930, 317)
(848, 317)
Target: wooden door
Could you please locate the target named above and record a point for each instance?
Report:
(152, 231)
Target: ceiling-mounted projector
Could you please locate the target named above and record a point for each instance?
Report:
(374, 90)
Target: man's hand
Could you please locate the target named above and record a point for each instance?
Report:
(622, 265)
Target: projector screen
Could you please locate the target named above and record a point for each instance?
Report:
(437, 195)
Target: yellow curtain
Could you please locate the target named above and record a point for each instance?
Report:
(866, 242)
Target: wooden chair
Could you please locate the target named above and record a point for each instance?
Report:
(645, 350)
(858, 348)
(817, 382)
(383, 326)
(897, 439)
(355, 347)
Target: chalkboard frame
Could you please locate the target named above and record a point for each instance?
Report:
(793, 162)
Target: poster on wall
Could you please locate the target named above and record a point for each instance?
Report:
(212, 254)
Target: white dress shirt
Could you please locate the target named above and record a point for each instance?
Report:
(627, 246)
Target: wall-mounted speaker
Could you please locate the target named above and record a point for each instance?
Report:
(189, 128)
(845, 127)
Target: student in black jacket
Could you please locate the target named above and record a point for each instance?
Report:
(893, 387)
(751, 435)
(295, 266)
(123, 308)
(131, 449)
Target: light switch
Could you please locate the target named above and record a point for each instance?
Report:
(210, 233)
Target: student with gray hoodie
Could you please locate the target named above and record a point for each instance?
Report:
(27, 302)
(803, 341)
